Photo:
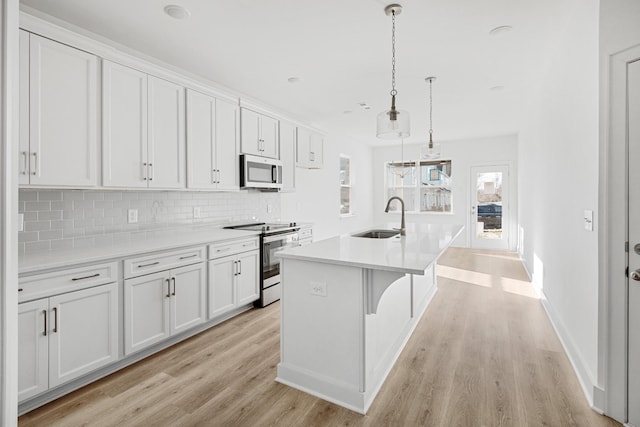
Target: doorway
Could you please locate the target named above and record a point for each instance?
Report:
(489, 202)
(633, 132)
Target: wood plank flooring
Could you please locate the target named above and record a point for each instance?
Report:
(484, 354)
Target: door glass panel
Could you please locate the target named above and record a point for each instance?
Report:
(489, 202)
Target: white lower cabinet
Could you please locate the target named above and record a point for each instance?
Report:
(234, 281)
(159, 305)
(65, 336)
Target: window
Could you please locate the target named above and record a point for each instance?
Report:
(345, 185)
(425, 186)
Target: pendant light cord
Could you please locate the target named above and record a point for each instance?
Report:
(393, 54)
(430, 113)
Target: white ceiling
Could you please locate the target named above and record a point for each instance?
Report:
(342, 52)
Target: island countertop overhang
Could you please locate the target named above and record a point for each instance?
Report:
(410, 254)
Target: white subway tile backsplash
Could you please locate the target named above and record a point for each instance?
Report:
(56, 219)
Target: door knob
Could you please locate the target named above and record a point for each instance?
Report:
(635, 275)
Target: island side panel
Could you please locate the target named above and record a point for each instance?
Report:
(322, 330)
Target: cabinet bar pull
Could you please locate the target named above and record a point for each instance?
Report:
(235, 268)
(45, 322)
(173, 279)
(86, 277)
(55, 319)
(144, 171)
(188, 256)
(222, 250)
(213, 176)
(25, 158)
(168, 288)
(35, 163)
(148, 265)
(151, 169)
(20, 289)
(239, 268)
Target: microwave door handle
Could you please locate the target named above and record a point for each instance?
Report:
(274, 173)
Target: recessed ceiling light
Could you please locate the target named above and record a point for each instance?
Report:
(294, 80)
(496, 88)
(500, 30)
(177, 11)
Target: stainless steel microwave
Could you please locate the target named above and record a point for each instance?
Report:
(260, 172)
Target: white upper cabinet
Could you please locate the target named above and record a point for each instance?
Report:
(58, 114)
(288, 156)
(260, 134)
(143, 130)
(124, 126)
(212, 142)
(309, 149)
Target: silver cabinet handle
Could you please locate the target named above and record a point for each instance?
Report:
(55, 319)
(151, 173)
(168, 288)
(34, 169)
(213, 176)
(235, 268)
(148, 265)
(239, 268)
(45, 322)
(25, 158)
(144, 171)
(218, 176)
(222, 250)
(86, 277)
(188, 256)
(173, 279)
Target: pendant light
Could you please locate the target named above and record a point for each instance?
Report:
(431, 150)
(393, 123)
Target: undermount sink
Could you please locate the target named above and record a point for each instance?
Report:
(377, 234)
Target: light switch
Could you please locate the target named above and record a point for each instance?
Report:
(132, 216)
(588, 220)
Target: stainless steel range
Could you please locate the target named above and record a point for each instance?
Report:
(274, 237)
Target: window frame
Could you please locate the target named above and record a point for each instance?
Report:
(347, 185)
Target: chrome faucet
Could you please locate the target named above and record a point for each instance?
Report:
(403, 231)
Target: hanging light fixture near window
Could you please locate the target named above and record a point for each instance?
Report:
(430, 150)
(393, 123)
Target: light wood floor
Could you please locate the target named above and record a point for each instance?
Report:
(484, 354)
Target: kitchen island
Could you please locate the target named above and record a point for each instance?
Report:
(350, 304)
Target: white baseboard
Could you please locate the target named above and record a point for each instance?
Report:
(598, 400)
(570, 350)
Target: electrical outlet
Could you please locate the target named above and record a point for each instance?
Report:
(132, 216)
(196, 212)
(20, 222)
(318, 288)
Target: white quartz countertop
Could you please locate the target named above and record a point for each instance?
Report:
(145, 242)
(411, 254)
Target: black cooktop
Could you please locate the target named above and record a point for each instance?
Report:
(266, 227)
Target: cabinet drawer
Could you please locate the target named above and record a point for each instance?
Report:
(218, 250)
(59, 282)
(140, 266)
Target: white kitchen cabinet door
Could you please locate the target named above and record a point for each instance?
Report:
(24, 152)
(166, 142)
(63, 96)
(33, 348)
(247, 278)
(221, 285)
(201, 144)
(146, 311)
(288, 156)
(227, 133)
(188, 297)
(270, 132)
(315, 150)
(251, 138)
(83, 332)
(124, 126)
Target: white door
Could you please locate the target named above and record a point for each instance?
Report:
(124, 126)
(247, 278)
(84, 334)
(489, 216)
(63, 96)
(227, 145)
(201, 144)
(33, 348)
(167, 160)
(633, 117)
(269, 132)
(146, 311)
(23, 151)
(221, 285)
(188, 297)
(251, 139)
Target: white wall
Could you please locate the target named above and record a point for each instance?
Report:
(463, 154)
(317, 195)
(558, 176)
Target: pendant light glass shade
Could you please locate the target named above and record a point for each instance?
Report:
(393, 123)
